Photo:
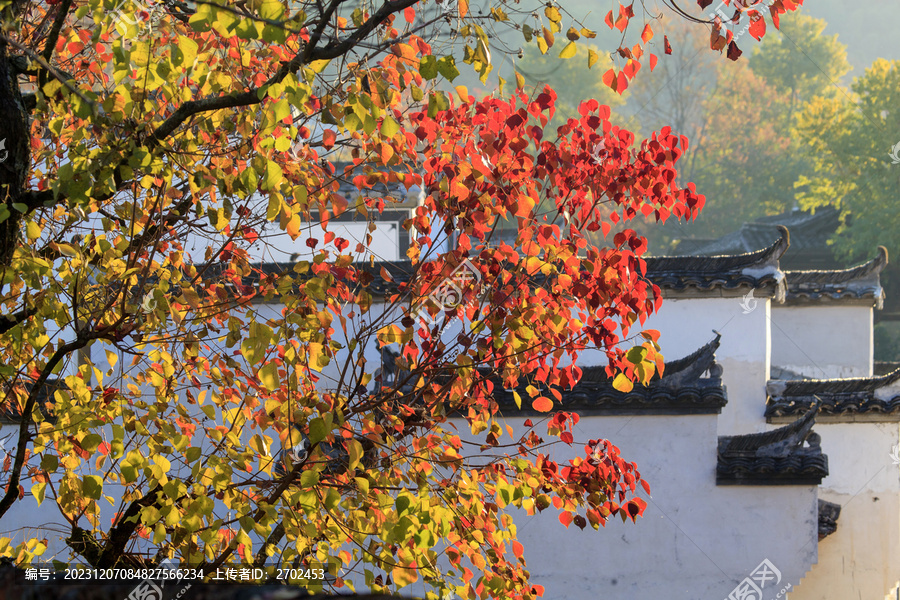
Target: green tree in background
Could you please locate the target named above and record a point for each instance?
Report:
(800, 60)
(852, 143)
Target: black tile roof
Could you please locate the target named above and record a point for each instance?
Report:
(674, 273)
(857, 283)
(777, 457)
(809, 235)
(739, 271)
(681, 391)
(842, 400)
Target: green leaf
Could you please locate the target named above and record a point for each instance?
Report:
(309, 478)
(317, 430)
(90, 442)
(428, 67)
(274, 176)
(447, 67)
(92, 487)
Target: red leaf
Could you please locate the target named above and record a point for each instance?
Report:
(704, 3)
(758, 28)
(328, 138)
(566, 437)
(622, 83)
(609, 79)
(410, 14)
(666, 45)
(734, 52)
(653, 60)
(566, 519)
(647, 34)
(645, 485)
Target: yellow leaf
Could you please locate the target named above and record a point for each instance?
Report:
(568, 51)
(268, 376)
(355, 450)
(593, 57)
(520, 81)
(622, 383)
(293, 227)
(393, 334)
(192, 297)
(542, 45)
(112, 358)
(317, 356)
(34, 231)
(405, 575)
(463, 93)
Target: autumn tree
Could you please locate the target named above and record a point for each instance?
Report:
(151, 364)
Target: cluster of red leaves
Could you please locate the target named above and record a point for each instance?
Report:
(722, 36)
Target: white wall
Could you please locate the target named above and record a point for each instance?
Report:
(686, 325)
(695, 541)
(861, 559)
(823, 341)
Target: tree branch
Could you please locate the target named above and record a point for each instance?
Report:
(58, 22)
(12, 490)
(7, 322)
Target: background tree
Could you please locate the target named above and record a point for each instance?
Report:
(801, 61)
(850, 141)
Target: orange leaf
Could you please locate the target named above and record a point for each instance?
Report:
(463, 8)
(609, 20)
(609, 78)
(518, 549)
(542, 404)
(410, 14)
(566, 519)
(652, 61)
(647, 34)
